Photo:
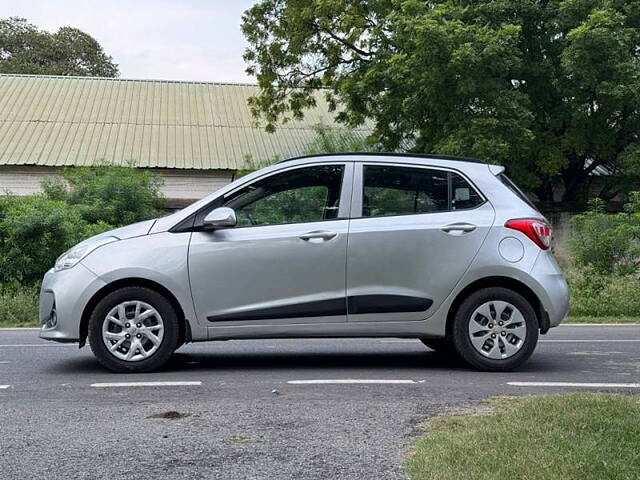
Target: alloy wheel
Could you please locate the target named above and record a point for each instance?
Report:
(132, 331)
(497, 330)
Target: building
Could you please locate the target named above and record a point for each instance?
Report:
(196, 134)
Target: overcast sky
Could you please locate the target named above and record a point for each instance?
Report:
(157, 39)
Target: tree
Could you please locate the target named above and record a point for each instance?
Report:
(549, 88)
(26, 49)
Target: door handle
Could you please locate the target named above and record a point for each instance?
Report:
(458, 227)
(320, 234)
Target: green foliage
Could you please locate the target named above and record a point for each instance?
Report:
(549, 89)
(36, 229)
(26, 49)
(326, 140)
(107, 193)
(594, 294)
(251, 164)
(305, 204)
(608, 243)
(337, 140)
(19, 306)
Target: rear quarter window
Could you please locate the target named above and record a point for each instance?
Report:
(514, 188)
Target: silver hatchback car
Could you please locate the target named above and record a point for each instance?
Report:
(446, 250)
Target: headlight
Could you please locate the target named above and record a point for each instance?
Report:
(71, 257)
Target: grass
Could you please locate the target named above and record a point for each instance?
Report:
(568, 436)
(19, 307)
(578, 319)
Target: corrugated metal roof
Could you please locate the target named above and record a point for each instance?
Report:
(56, 121)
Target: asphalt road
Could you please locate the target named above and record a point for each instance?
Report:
(55, 424)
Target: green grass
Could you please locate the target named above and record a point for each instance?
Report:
(602, 320)
(19, 307)
(538, 437)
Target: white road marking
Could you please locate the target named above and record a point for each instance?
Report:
(574, 384)
(18, 329)
(146, 384)
(347, 381)
(4, 361)
(617, 340)
(599, 325)
(39, 345)
(4, 387)
(412, 340)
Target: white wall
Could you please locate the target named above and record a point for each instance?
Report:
(182, 185)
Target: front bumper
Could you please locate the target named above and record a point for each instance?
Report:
(63, 297)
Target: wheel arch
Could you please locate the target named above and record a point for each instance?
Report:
(504, 282)
(185, 326)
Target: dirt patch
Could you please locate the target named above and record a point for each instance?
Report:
(170, 415)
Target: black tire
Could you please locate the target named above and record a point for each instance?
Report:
(169, 341)
(441, 345)
(460, 330)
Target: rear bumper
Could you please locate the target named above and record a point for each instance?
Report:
(63, 297)
(551, 288)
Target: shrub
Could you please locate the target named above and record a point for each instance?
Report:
(107, 193)
(34, 230)
(608, 243)
(19, 306)
(594, 294)
(337, 140)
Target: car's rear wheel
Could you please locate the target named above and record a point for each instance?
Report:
(133, 329)
(495, 329)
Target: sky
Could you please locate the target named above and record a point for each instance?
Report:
(153, 39)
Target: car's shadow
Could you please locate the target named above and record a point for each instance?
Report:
(247, 362)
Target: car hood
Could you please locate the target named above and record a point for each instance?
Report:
(129, 231)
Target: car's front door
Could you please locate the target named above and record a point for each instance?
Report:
(285, 260)
(414, 232)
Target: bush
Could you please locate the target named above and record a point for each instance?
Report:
(594, 294)
(107, 193)
(608, 243)
(36, 229)
(337, 140)
(19, 307)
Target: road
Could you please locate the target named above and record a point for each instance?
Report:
(231, 425)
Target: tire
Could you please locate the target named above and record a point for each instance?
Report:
(157, 336)
(441, 345)
(512, 337)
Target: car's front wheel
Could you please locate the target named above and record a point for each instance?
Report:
(133, 329)
(495, 329)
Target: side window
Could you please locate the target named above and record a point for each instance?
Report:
(463, 195)
(308, 194)
(403, 190)
(389, 190)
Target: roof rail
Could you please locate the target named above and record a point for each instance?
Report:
(390, 154)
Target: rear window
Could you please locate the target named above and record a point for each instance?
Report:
(514, 188)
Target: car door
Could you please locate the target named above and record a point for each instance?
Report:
(414, 232)
(284, 262)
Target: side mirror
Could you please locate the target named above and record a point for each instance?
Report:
(221, 217)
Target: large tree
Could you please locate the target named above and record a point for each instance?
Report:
(549, 88)
(24, 48)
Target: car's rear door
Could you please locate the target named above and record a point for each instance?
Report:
(414, 232)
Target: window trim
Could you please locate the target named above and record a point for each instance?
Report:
(358, 189)
(193, 223)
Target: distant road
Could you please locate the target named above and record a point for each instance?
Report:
(343, 409)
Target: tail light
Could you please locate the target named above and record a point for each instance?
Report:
(537, 230)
